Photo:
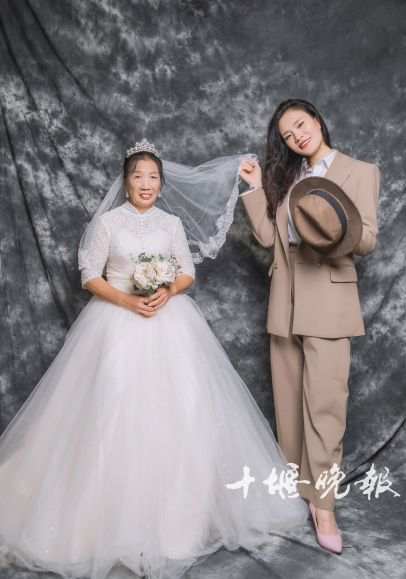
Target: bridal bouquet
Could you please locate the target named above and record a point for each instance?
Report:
(152, 272)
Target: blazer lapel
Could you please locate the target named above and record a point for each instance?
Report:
(282, 225)
(340, 169)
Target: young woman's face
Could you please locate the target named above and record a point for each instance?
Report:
(143, 184)
(301, 132)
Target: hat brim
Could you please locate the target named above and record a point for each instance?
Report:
(354, 221)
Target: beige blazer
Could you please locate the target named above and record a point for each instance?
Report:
(326, 301)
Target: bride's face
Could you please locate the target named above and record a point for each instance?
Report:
(143, 184)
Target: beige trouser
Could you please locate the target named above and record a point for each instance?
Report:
(310, 386)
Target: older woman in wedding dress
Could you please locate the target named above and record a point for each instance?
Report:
(130, 448)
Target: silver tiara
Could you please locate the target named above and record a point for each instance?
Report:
(142, 147)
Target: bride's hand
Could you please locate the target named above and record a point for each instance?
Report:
(139, 305)
(251, 172)
(159, 298)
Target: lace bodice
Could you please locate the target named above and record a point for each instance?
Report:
(123, 233)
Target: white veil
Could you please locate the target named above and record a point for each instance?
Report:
(204, 197)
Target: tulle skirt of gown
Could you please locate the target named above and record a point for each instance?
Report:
(121, 453)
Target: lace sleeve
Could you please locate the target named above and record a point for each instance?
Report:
(181, 251)
(93, 259)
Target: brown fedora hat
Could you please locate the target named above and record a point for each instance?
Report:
(325, 217)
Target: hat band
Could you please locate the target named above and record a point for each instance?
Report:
(335, 205)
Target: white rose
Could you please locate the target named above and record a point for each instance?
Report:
(140, 280)
(149, 272)
(165, 272)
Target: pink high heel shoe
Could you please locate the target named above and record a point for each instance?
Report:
(333, 543)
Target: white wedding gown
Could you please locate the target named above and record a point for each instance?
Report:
(121, 453)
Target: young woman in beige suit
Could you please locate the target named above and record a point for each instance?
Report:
(314, 306)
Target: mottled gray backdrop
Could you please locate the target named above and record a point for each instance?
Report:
(82, 80)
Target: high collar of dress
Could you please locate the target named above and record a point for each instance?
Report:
(130, 207)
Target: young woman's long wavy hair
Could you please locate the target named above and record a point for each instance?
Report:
(282, 165)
